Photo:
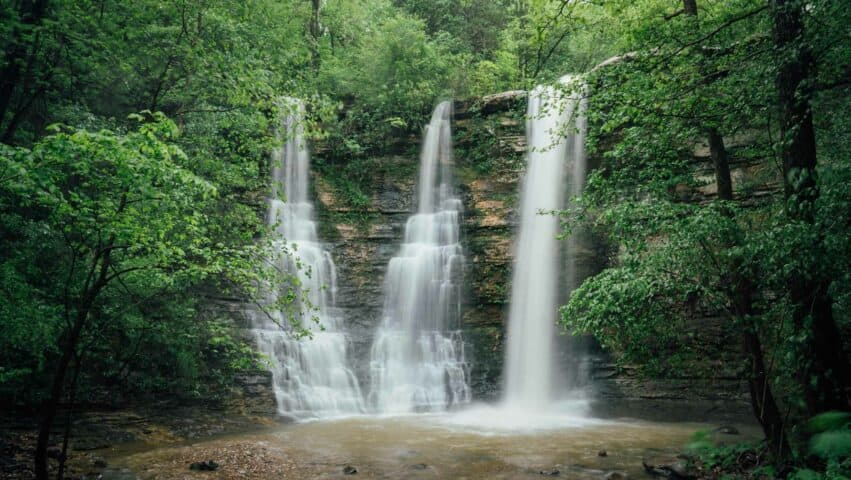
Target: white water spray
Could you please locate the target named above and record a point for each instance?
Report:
(555, 130)
(417, 359)
(311, 375)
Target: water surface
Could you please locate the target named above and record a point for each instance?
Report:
(481, 442)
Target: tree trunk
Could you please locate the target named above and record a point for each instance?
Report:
(741, 298)
(48, 413)
(31, 14)
(823, 370)
(762, 399)
(101, 263)
(66, 435)
(315, 33)
(721, 165)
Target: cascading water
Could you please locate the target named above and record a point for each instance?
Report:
(417, 358)
(311, 376)
(555, 130)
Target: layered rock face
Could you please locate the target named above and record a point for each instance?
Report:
(489, 146)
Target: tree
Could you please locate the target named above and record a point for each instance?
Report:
(18, 60)
(824, 373)
(121, 210)
(683, 79)
(740, 290)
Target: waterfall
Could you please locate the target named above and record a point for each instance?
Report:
(417, 359)
(311, 375)
(555, 130)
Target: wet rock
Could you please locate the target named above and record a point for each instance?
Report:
(419, 466)
(206, 466)
(616, 475)
(602, 453)
(673, 468)
(99, 462)
(86, 444)
(499, 102)
(123, 474)
(550, 473)
(349, 470)
(54, 453)
(727, 430)
(683, 469)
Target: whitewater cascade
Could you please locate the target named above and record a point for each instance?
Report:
(417, 358)
(555, 130)
(311, 375)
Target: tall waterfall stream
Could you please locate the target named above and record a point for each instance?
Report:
(555, 172)
(312, 377)
(417, 361)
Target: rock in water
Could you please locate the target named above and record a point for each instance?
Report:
(727, 430)
(602, 453)
(676, 468)
(54, 453)
(617, 475)
(550, 473)
(349, 470)
(207, 466)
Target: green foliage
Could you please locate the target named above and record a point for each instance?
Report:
(110, 232)
(478, 146)
(831, 442)
(179, 205)
(677, 250)
(831, 445)
(714, 455)
(828, 421)
(672, 261)
(390, 80)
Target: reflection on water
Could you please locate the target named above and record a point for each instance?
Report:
(480, 442)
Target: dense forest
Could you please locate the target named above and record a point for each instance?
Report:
(135, 159)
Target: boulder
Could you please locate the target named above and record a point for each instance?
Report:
(500, 102)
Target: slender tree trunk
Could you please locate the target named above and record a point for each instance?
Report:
(762, 399)
(720, 163)
(48, 413)
(741, 296)
(823, 371)
(31, 15)
(100, 268)
(315, 33)
(69, 416)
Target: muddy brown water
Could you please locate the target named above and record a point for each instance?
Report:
(478, 443)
